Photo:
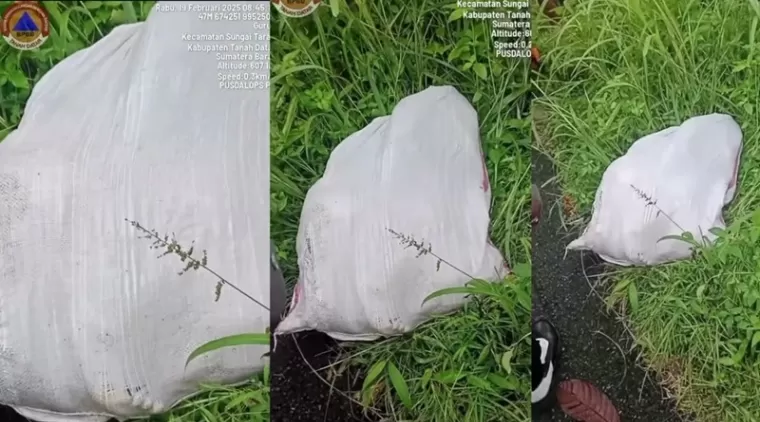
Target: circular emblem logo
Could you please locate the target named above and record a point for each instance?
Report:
(25, 25)
(296, 8)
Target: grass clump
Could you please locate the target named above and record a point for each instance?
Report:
(620, 69)
(336, 70)
(74, 26)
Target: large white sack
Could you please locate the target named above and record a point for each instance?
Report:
(420, 173)
(136, 127)
(675, 180)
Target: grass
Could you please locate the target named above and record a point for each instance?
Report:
(620, 69)
(332, 73)
(74, 26)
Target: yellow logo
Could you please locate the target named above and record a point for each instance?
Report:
(25, 25)
(296, 8)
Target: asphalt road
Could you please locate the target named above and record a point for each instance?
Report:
(594, 346)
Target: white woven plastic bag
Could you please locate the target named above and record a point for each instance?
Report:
(136, 127)
(419, 173)
(675, 180)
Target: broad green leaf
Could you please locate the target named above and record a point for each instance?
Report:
(522, 270)
(506, 360)
(399, 385)
(448, 377)
(478, 382)
(505, 383)
(373, 374)
(755, 338)
(457, 14)
(622, 285)
(18, 79)
(480, 70)
(633, 297)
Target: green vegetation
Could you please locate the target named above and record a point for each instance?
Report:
(336, 70)
(617, 70)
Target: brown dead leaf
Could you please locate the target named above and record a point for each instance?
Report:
(584, 402)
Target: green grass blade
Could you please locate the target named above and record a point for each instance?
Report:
(448, 291)
(229, 341)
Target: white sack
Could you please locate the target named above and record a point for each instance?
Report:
(136, 127)
(420, 173)
(690, 172)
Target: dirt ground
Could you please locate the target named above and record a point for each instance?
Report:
(298, 394)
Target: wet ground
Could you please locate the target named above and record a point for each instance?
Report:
(301, 394)
(594, 346)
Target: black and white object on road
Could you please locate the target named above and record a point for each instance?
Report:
(545, 341)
